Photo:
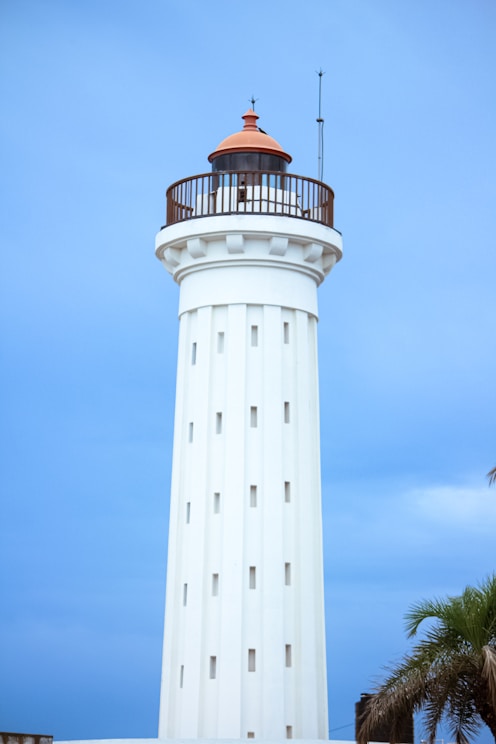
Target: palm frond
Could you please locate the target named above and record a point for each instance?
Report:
(492, 476)
(398, 697)
(434, 707)
(450, 693)
(488, 590)
(423, 611)
(489, 671)
(462, 713)
(467, 619)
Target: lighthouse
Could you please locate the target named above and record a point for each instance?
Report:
(244, 639)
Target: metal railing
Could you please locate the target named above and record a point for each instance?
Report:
(250, 192)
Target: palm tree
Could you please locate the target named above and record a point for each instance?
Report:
(449, 674)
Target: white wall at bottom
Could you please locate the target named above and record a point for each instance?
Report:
(188, 741)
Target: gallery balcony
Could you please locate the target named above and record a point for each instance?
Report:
(250, 192)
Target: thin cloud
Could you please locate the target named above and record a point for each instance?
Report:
(455, 506)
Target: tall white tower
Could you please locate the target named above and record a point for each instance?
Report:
(244, 639)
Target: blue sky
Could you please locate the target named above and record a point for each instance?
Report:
(104, 105)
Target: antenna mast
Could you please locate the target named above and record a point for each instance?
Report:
(320, 126)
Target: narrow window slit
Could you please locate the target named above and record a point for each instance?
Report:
(213, 667)
(190, 431)
(220, 342)
(254, 335)
(253, 496)
(251, 660)
(286, 333)
(250, 734)
(253, 417)
(287, 574)
(286, 412)
(289, 732)
(193, 353)
(216, 502)
(181, 675)
(215, 585)
(287, 492)
(288, 655)
(188, 512)
(218, 423)
(253, 577)
(185, 595)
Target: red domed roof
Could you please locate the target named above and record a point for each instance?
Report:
(250, 139)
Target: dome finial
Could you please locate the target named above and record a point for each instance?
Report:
(251, 139)
(250, 119)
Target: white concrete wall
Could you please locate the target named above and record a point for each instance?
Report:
(246, 418)
(180, 741)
